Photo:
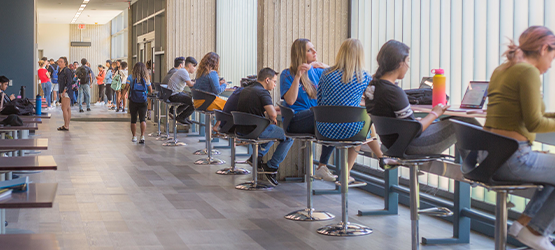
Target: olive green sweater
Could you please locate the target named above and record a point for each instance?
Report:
(516, 103)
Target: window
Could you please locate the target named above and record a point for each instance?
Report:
(119, 36)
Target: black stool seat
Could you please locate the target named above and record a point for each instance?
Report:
(228, 131)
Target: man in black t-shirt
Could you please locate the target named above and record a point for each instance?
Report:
(255, 99)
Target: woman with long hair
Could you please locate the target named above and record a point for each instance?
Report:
(45, 82)
(209, 81)
(343, 85)
(108, 81)
(101, 84)
(516, 110)
(65, 81)
(139, 84)
(298, 86)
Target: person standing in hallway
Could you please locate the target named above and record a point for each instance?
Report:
(108, 82)
(101, 85)
(46, 85)
(139, 86)
(84, 73)
(53, 69)
(177, 83)
(65, 81)
(124, 87)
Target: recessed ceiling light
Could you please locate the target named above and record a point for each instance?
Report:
(83, 5)
(85, 1)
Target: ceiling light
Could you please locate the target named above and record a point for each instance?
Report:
(83, 5)
(85, 1)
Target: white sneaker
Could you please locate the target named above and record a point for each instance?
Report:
(534, 241)
(324, 174)
(515, 229)
(134, 139)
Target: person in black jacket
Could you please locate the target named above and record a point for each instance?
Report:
(65, 82)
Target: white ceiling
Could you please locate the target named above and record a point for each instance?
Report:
(63, 11)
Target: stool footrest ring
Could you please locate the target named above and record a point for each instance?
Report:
(232, 171)
(308, 214)
(341, 229)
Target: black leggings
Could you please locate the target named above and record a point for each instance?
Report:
(137, 109)
(101, 92)
(109, 91)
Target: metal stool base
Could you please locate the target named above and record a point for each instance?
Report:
(209, 161)
(231, 171)
(203, 152)
(156, 134)
(251, 186)
(162, 138)
(308, 214)
(341, 229)
(173, 144)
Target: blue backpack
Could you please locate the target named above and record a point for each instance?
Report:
(54, 75)
(138, 91)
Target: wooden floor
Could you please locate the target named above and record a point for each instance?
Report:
(114, 194)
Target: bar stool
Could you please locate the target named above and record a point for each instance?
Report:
(208, 99)
(157, 97)
(406, 131)
(172, 142)
(259, 124)
(343, 114)
(307, 214)
(164, 98)
(228, 131)
(470, 139)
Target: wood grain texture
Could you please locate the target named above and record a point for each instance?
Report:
(191, 29)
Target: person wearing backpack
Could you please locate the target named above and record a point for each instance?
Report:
(53, 71)
(85, 76)
(139, 86)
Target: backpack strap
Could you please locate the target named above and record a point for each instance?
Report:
(2, 100)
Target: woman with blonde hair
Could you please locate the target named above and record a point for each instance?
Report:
(209, 81)
(139, 86)
(298, 86)
(343, 85)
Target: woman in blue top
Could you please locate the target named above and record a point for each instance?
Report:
(138, 81)
(209, 81)
(343, 85)
(108, 81)
(298, 86)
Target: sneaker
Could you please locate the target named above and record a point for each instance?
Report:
(534, 241)
(260, 162)
(96, 103)
(324, 174)
(123, 110)
(134, 139)
(272, 179)
(142, 141)
(113, 108)
(117, 110)
(515, 229)
(81, 111)
(88, 109)
(264, 168)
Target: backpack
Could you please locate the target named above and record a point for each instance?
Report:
(18, 107)
(12, 120)
(138, 92)
(116, 81)
(420, 96)
(83, 73)
(54, 75)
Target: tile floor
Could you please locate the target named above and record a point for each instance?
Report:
(115, 194)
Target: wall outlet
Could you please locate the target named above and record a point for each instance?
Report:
(10, 83)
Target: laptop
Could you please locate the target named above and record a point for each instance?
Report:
(426, 83)
(474, 97)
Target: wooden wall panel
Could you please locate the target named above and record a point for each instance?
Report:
(191, 29)
(98, 53)
(324, 22)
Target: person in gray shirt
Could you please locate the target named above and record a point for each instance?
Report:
(178, 63)
(177, 82)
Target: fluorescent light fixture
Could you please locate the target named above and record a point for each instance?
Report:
(83, 5)
(85, 1)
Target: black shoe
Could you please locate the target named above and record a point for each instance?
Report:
(263, 167)
(81, 111)
(141, 141)
(272, 179)
(123, 110)
(117, 110)
(260, 162)
(183, 121)
(88, 109)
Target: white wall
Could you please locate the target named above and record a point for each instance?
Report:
(53, 39)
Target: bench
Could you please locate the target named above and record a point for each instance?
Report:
(23, 144)
(39, 162)
(29, 241)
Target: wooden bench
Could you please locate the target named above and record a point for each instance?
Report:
(39, 162)
(29, 242)
(26, 126)
(38, 195)
(23, 144)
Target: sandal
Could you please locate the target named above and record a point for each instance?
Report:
(62, 128)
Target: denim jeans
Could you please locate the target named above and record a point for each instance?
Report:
(285, 143)
(47, 89)
(527, 165)
(303, 122)
(84, 92)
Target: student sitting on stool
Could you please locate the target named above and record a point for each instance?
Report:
(177, 83)
(255, 99)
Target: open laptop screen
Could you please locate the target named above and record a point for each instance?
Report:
(476, 94)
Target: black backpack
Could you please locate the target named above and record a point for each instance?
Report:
(18, 107)
(420, 96)
(83, 73)
(12, 120)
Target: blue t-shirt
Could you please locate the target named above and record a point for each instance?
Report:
(333, 92)
(303, 102)
(210, 83)
(108, 77)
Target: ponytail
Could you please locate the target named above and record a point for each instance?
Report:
(513, 55)
(531, 42)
